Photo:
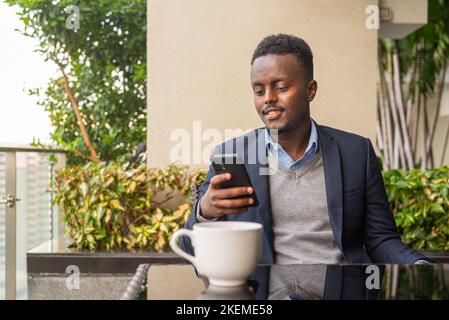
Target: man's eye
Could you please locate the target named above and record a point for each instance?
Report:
(259, 92)
(282, 89)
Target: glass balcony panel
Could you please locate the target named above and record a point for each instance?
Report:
(34, 210)
(2, 224)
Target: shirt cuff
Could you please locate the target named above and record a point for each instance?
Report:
(199, 217)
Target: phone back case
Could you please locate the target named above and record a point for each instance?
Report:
(239, 175)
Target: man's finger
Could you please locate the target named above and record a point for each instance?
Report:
(229, 193)
(218, 179)
(233, 203)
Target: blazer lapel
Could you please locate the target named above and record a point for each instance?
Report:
(257, 163)
(333, 181)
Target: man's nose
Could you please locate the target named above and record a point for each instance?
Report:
(270, 96)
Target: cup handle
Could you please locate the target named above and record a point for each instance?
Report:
(178, 250)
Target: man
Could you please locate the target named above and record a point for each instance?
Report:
(325, 201)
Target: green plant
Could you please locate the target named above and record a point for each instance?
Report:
(420, 203)
(111, 206)
(97, 106)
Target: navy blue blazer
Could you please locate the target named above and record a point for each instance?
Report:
(359, 213)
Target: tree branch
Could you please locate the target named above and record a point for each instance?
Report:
(93, 154)
(400, 108)
(437, 114)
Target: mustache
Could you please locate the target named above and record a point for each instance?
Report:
(272, 107)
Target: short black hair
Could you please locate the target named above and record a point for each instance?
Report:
(286, 44)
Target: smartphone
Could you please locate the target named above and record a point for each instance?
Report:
(233, 164)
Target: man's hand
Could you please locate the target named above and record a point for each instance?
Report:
(217, 202)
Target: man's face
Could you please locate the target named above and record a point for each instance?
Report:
(281, 91)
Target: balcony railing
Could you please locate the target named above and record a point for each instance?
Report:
(27, 217)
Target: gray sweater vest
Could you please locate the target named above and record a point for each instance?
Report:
(302, 231)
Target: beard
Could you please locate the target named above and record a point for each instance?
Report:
(289, 126)
(292, 123)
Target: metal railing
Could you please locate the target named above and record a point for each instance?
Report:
(9, 200)
(134, 287)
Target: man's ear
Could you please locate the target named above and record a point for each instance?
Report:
(312, 88)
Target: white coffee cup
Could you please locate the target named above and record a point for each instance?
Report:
(226, 252)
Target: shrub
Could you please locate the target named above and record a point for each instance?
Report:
(419, 201)
(109, 206)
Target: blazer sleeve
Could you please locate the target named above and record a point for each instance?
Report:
(184, 242)
(381, 238)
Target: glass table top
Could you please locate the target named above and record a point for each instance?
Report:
(335, 282)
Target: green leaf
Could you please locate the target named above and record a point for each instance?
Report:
(401, 184)
(115, 204)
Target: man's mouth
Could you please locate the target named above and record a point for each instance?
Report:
(273, 114)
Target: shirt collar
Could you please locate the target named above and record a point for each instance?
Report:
(311, 146)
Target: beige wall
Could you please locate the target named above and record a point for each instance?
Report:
(199, 60)
(407, 16)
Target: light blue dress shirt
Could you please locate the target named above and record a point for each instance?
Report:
(284, 158)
